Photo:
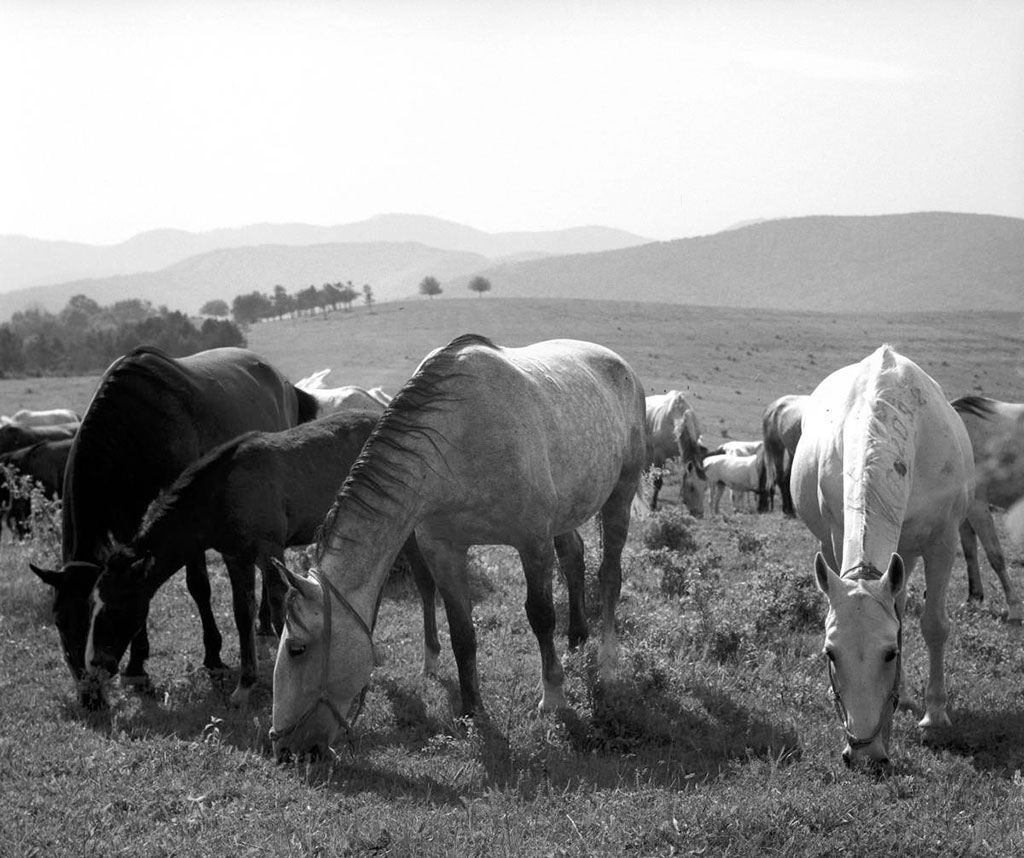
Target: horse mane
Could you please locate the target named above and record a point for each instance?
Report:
(428, 391)
(884, 450)
(978, 406)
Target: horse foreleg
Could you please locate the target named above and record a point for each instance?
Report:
(134, 673)
(938, 562)
(656, 483)
(428, 595)
(243, 599)
(447, 562)
(197, 579)
(569, 548)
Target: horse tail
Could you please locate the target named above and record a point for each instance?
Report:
(978, 406)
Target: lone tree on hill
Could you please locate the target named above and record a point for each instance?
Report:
(216, 307)
(480, 285)
(430, 287)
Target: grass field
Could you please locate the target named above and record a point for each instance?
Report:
(718, 738)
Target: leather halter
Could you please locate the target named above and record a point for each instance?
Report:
(327, 590)
(894, 695)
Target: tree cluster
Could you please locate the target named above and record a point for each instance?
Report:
(86, 338)
(258, 306)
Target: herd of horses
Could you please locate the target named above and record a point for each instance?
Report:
(491, 445)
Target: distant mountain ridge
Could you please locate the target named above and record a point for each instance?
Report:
(26, 262)
(926, 261)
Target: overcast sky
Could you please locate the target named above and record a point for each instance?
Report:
(668, 118)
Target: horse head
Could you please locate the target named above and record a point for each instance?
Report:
(318, 697)
(863, 642)
(119, 606)
(72, 586)
(692, 488)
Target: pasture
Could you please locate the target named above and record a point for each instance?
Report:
(717, 739)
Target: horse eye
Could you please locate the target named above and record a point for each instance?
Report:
(296, 649)
(889, 656)
(830, 655)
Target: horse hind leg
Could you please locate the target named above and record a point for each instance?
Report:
(985, 528)
(614, 530)
(938, 562)
(538, 565)
(569, 548)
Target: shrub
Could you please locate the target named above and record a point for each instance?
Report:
(788, 600)
(667, 531)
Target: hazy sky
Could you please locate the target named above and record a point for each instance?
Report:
(668, 118)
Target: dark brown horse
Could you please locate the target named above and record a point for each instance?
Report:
(43, 462)
(151, 416)
(780, 428)
(483, 445)
(16, 437)
(248, 499)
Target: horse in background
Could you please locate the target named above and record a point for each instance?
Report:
(763, 491)
(483, 445)
(44, 463)
(989, 422)
(883, 475)
(780, 429)
(48, 417)
(740, 473)
(14, 436)
(345, 398)
(673, 431)
(150, 417)
(249, 499)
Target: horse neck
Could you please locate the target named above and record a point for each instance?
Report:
(878, 463)
(368, 525)
(176, 532)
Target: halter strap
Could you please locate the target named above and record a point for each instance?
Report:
(327, 590)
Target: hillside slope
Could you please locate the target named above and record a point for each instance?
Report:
(934, 261)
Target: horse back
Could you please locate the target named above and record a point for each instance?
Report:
(150, 417)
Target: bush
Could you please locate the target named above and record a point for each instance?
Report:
(788, 600)
(667, 531)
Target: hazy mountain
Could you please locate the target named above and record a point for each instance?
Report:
(933, 261)
(28, 262)
(393, 270)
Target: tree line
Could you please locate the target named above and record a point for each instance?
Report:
(85, 338)
(258, 306)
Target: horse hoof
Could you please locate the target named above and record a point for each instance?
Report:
(217, 669)
(932, 721)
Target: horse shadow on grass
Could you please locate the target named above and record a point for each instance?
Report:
(993, 741)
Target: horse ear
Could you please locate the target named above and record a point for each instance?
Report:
(896, 574)
(295, 582)
(53, 577)
(822, 572)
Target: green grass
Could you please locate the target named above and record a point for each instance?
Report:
(717, 739)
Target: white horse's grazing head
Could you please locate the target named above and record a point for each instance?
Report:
(692, 489)
(323, 667)
(863, 642)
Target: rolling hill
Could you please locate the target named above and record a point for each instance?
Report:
(934, 261)
(26, 262)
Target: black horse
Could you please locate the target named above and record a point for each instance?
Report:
(152, 416)
(249, 499)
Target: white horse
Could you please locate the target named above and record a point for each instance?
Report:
(49, 417)
(732, 471)
(989, 424)
(673, 431)
(882, 475)
(349, 397)
(741, 497)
